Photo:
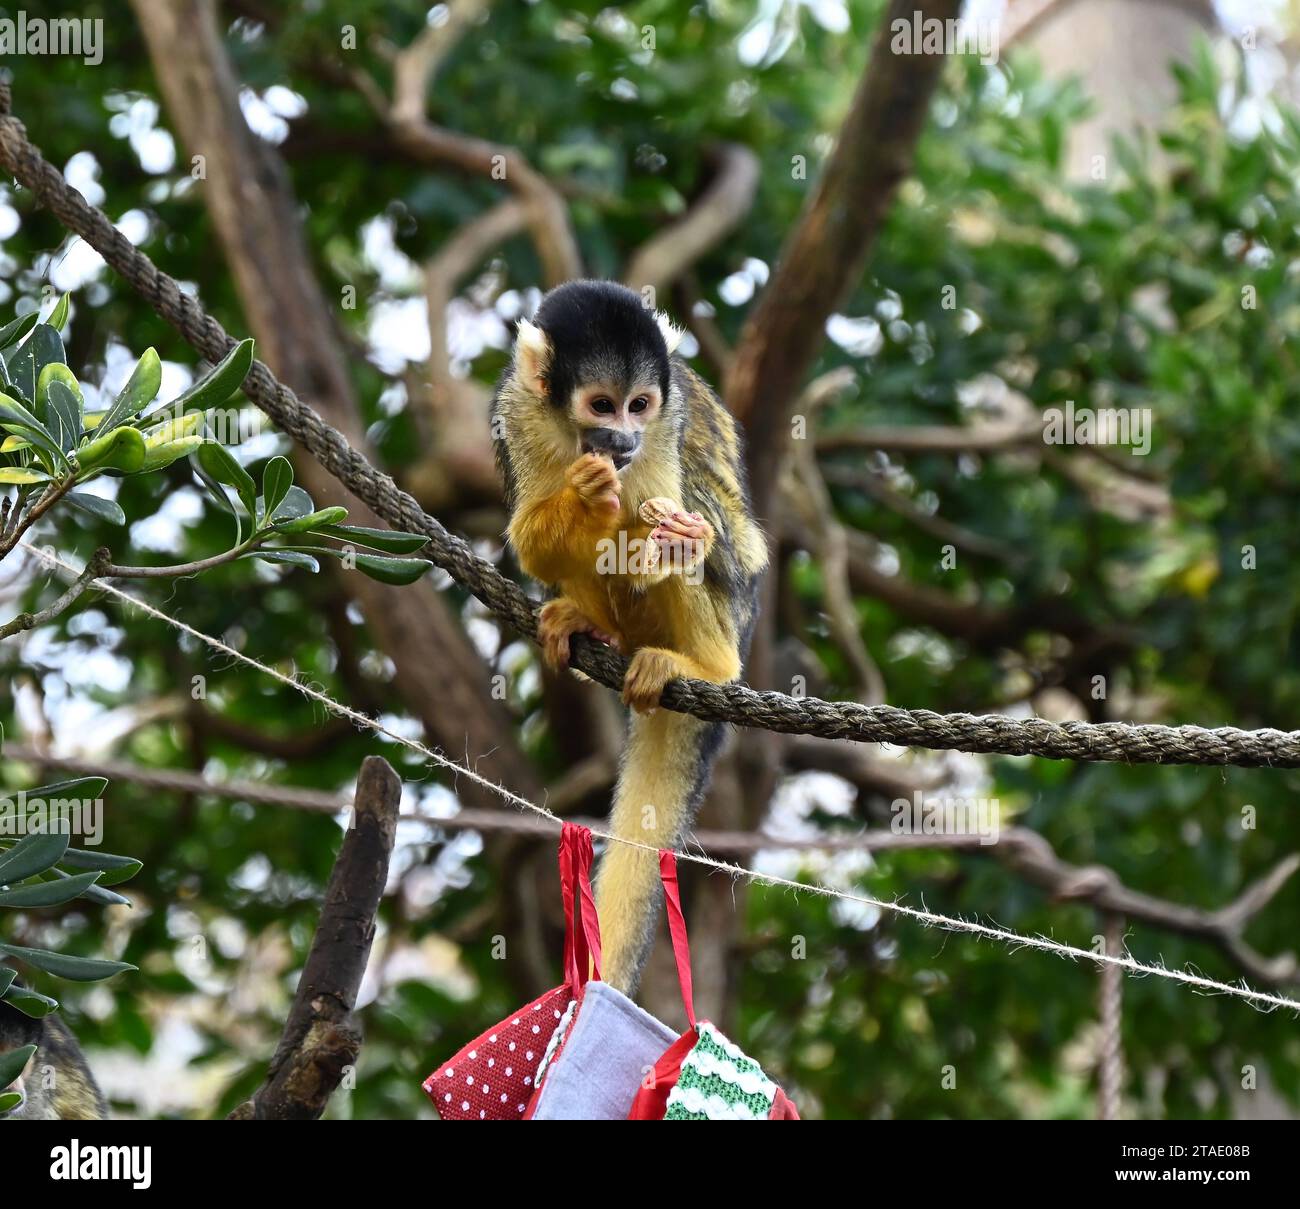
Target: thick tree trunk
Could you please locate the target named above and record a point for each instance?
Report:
(438, 673)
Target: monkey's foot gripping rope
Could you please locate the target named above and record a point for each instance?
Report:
(715, 702)
(1110, 958)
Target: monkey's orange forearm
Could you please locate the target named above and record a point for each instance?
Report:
(556, 538)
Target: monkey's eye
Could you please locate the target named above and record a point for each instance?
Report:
(640, 403)
(603, 406)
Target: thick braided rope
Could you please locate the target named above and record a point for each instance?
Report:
(715, 702)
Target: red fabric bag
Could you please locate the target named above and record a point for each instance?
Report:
(702, 1076)
(492, 1078)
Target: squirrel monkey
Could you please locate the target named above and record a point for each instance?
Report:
(626, 487)
(56, 1084)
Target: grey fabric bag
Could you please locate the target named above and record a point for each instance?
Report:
(609, 1048)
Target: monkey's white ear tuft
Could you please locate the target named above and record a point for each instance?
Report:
(532, 355)
(671, 332)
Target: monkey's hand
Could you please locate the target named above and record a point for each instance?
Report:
(682, 539)
(595, 480)
(559, 620)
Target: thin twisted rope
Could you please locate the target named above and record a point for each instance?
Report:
(1017, 940)
(1110, 995)
(988, 733)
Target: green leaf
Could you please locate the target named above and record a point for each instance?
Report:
(174, 428)
(277, 478)
(140, 390)
(7, 975)
(22, 475)
(31, 855)
(14, 444)
(165, 453)
(313, 520)
(31, 1003)
(44, 347)
(14, 415)
(97, 506)
(94, 892)
(115, 869)
(9, 1100)
(296, 503)
(122, 449)
(12, 1063)
(62, 788)
(74, 969)
(13, 332)
(59, 405)
(220, 463)
(48, 894)
(220, 382)
(391, 541)
(397, 571)
(294, 557)
(59, 316)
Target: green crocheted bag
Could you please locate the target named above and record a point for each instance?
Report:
(702, 1076)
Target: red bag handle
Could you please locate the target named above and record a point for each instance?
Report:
(581, 924)
(677, 930)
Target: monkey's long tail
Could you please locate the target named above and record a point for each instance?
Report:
(665, 771)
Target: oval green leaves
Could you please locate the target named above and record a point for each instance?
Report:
(220, 382)
(121, 450)
(49, 894)
(22, 476)
(12, 1064)
(59, 405)
(313, 521)
(13, 332)
(140, 390)
(295, 558)
(31, 1003)
(96, 506)
(390, 541)
(25, 363)
(74, 969)
(398, 571)
(218, 462)
(113, 869)
(277, 478)
(32, 854)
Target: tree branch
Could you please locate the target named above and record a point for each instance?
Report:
(938, 438)
(415, 67)
(256, 217)
(725, 201)
(824, 256)
(1031, 857)
(29, 621)
(321, 1039)
(18, 523)
(807, 495)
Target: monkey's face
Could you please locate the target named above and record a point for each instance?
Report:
(612, 417)
(599, 362)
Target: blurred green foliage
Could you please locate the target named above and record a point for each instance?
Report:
(1128, 292)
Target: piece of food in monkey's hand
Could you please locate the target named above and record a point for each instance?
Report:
(657, 510)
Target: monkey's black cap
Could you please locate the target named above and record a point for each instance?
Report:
(600, 331)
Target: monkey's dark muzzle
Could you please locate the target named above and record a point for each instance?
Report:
(619, 447)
